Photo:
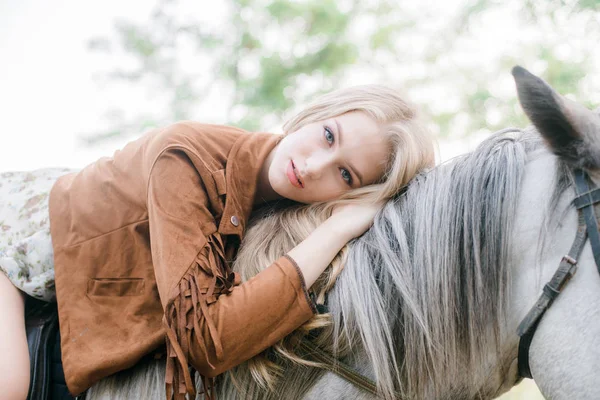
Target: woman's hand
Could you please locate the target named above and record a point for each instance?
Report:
(352, 220)
(315, 252)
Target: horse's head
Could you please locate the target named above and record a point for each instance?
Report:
(571, 130)
(561, 356)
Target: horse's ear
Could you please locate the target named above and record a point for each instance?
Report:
(572, 130)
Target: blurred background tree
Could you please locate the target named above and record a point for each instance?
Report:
(254, 60)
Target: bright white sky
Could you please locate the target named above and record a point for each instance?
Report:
(47, 95)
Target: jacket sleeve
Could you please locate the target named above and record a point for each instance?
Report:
(211, 321)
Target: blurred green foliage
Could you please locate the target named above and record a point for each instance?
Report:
(269, 56)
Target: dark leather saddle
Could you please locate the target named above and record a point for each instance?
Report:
(43, 338)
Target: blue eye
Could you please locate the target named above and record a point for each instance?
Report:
(346, 176)
(329, 135)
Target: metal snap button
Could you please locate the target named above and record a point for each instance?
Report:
(235, 221)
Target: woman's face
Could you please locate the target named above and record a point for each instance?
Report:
(322, 160)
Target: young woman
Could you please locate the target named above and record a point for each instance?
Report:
(137, 248)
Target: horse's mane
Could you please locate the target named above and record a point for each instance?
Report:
(431, 277)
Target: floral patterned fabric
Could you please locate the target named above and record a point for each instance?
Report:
(26, 255)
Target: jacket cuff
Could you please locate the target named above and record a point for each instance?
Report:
(288, 263)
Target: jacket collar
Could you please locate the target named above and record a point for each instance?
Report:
(244, 163)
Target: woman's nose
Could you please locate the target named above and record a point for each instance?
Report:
(316, 165)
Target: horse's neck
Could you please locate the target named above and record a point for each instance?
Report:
(332, 386)
(542, 235)
(563, 357)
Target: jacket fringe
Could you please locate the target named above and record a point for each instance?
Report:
(187, 311)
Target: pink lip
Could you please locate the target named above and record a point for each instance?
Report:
(292, 175)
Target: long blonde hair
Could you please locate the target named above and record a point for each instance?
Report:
(411, 151)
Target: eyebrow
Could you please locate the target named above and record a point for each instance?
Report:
(340, 134)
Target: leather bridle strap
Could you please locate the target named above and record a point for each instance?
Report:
(585, 202)
(566, 269)
(332, 364)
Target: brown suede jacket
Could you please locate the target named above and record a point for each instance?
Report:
(142, 249)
